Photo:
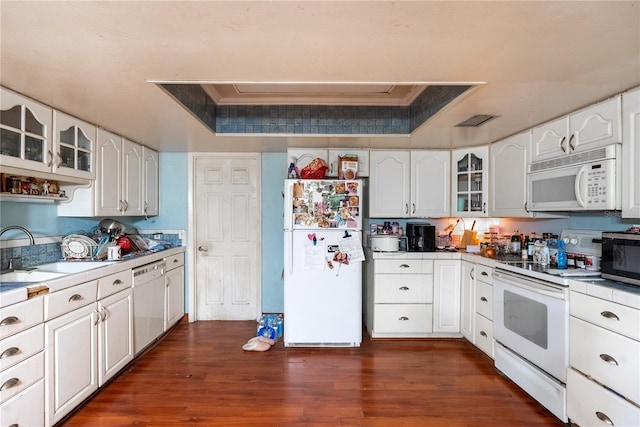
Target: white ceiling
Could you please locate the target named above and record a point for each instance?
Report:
(537, 60)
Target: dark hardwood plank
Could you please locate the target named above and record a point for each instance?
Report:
(199, 375)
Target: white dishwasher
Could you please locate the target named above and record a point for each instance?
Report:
(148, 304)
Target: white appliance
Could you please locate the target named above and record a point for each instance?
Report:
(323, 263)
(531, 322)
(148, 304)
(589, 180)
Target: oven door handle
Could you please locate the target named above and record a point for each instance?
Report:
(531, 284)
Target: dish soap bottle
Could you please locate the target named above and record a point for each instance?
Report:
(562, 255)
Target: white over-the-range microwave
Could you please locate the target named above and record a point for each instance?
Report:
(584, 181)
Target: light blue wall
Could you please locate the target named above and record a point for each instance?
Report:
(274, 173)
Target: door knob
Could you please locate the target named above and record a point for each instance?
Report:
(202, 249)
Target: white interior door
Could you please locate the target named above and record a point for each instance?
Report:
(227, 236)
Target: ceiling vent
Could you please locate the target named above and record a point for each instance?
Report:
(475, 121)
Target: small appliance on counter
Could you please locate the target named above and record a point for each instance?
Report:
(620, 255)
(421, 237)
(382, 243)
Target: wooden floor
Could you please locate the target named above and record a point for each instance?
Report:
(199, 375)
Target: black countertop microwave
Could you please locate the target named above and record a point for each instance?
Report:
(621, 257)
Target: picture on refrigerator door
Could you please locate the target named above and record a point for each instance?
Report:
(326, 204)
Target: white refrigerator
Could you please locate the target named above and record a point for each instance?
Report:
(323, 263)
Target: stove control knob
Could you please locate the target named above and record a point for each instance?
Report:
(573, 240)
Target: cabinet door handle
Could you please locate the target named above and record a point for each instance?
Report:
(484, 207)
(403, 318)
(483, 299)
(105, 313)
(603, 417)
(414, 208)
(126, 205)
(609, 315)
(562, 147)
(471, 273)
(117, 282)
(403, 288)
(609, 359)
(11, 320)
(11, 351)
(12, 382)
(484, 273)
(50, 162)
(75, 297)
(571, 144)
(406, 208)
(483, 333)
(59, 159)
(405, 266)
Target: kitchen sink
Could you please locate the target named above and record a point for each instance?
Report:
(30, 276)
(70, 267)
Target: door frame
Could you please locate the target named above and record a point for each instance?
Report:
(191, 249)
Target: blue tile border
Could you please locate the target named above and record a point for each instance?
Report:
(313, 119)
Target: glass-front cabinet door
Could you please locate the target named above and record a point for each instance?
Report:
(74, 144)
(25, 133)
(469, 178)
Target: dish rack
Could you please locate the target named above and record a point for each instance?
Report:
(77, 246)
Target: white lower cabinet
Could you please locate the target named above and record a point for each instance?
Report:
(467, 310)
(25, 409)
(604, 349)
(174, 290)
(115, 334)
(71, 371)
(446, 296)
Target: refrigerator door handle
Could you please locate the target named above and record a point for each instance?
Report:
(289, 251)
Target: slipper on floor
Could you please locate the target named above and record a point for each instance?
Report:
(256, 345)
(263, 339)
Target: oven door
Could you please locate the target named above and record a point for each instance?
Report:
(531, 318)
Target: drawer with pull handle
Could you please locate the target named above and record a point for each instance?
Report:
(403, 288)
(21, 346)
(483, 334)
(69, 299)
(21, 376)
(610, 315)
(174, 261)
(403, 318)
(484, 300)
(21, 316)
(114, 283)
(609, 358)
(484, 274)
(400, 266)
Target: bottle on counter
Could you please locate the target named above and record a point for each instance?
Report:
(395, 228)
(515, 242)
(531, 245)
(562, 255)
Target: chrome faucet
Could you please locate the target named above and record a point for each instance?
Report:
(32, 241)
(17, 227)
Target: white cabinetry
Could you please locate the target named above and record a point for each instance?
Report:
(508, 180)
(604, 349)
(72, 348)
(399, 297)
(409, 184)
(25, 127)
(469, 173)
(22, 364)
(631, 154)
(592, 127)
(467, 309)
(174, 290)
(74, 145)
(446, 296)
(151, 180)
(483, 303)
(301, 157)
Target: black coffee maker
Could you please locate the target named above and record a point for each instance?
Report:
(421, 237)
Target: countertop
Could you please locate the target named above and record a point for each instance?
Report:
(14, 292)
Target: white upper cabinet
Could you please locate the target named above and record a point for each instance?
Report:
(74, 144)
(108, 197)
(390, 183)
(409, 184)
(25, 133)
(363, 161)
(469, 173)
(151, 178)
(631, 154)
(132, 168)
(589, 128)
(301, 157)
(430, 183)
(508, 178)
